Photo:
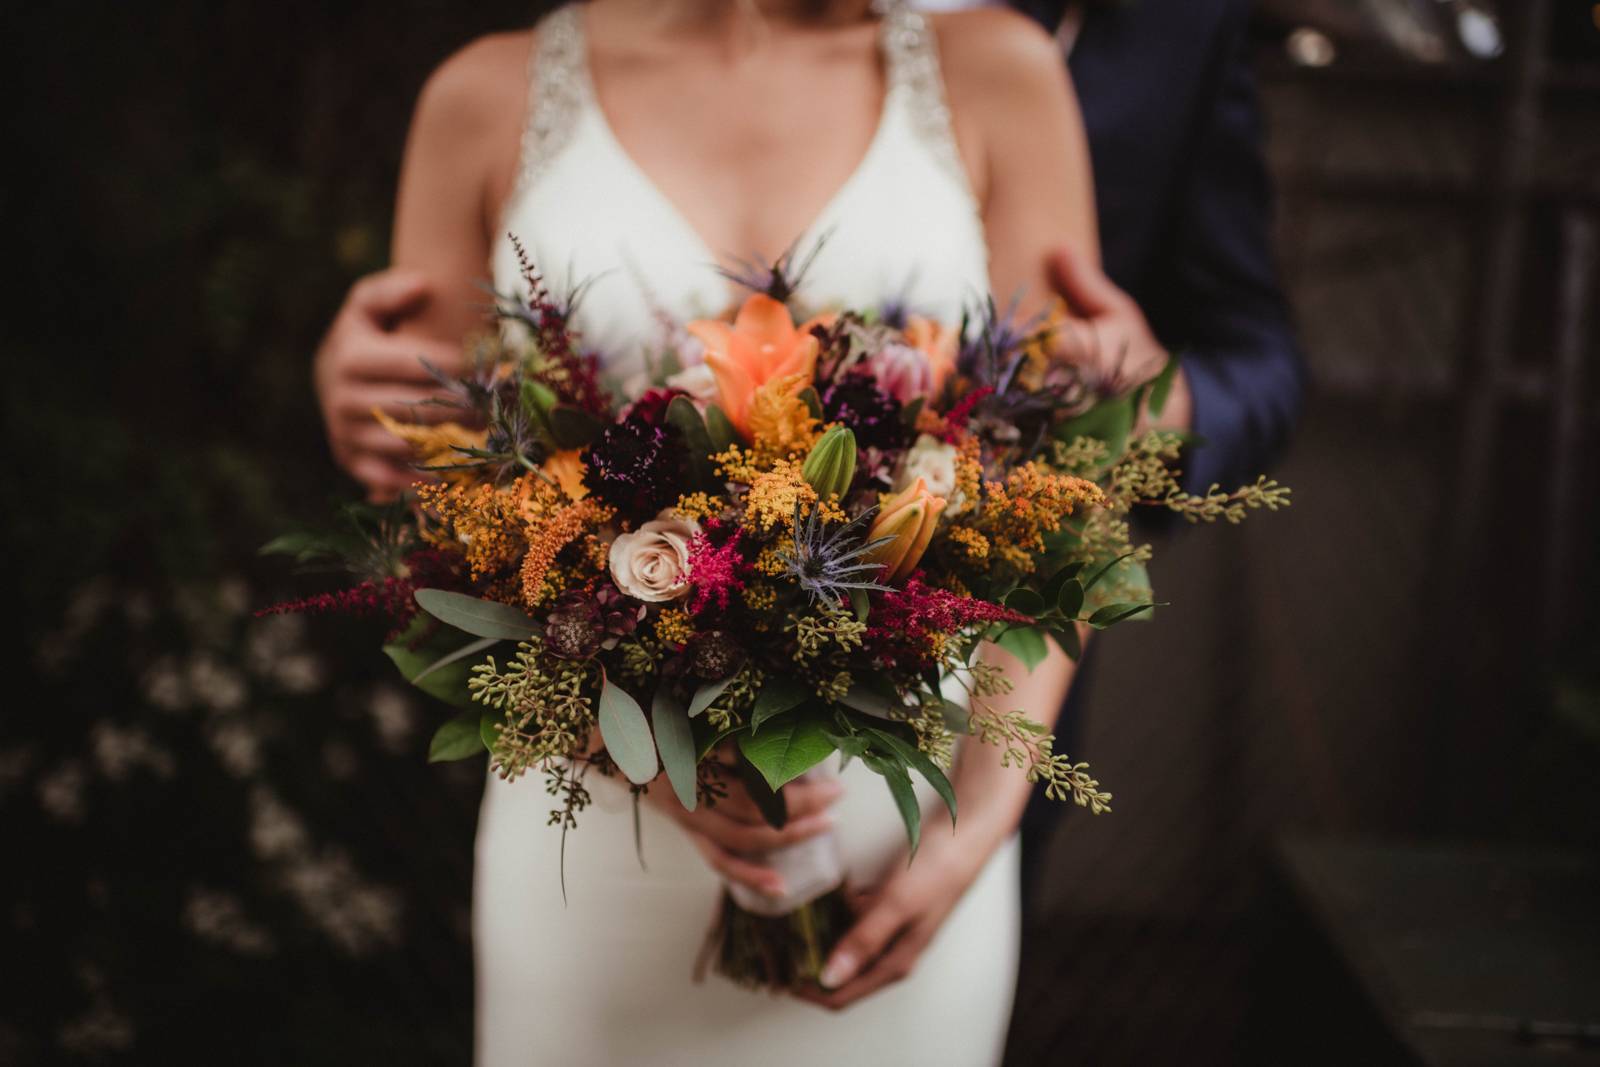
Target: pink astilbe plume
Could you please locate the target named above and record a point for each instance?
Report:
(393, 598)
(905, 623)
(714, 571)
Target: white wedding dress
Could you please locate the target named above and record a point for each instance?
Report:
(605, 978)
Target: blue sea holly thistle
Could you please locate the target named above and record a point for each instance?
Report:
(826, 563)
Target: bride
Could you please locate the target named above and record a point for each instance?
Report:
(633, 144)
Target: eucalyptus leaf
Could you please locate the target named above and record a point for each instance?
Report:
(457, 739)
(787, 748)
(675, 739)
(905, 797)
(778, 695)
(480, 618)
(626, 733)
(1026, 643)
(480, 645)
(918, 760)
(707, 694)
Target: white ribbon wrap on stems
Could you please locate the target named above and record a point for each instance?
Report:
(809, 869)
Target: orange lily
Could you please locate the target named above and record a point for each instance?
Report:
(908, 518)
(567, 469)
(761, 344)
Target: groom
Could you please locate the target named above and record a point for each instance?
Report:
(1169, 102)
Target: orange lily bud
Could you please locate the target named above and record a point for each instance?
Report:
(908, 518)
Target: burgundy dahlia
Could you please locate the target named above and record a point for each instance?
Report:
(636, 468)
(856, 401)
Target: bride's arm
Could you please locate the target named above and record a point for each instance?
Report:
(459, 156)
(1015, 113)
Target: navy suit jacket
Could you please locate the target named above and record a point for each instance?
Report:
(1169, 100)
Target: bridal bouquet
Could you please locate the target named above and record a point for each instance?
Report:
(789, 548)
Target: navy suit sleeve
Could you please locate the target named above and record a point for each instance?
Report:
(1217, 300)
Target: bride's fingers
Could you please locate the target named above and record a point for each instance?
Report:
(743, 837)
(737, 869)
(893, 965)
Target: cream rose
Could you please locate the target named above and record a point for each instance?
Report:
(935, 463)
(698, 382)
(652, 562)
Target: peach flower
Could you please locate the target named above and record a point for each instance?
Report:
(761, 344)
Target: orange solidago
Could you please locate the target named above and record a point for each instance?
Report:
(437, 445)
(482, 522)
(1031, 502)
(761, 344)
(780, 422)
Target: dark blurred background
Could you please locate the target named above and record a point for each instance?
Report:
(1355, 763)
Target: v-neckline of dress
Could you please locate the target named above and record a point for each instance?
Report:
(808, 235)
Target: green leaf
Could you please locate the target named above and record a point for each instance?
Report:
(1112, 614)
(780, 694)
(480, 618)
(573, 427)
(848, 745)
(1026, 601)
(675, 739)
(786, 749)
(720, 430)
(685, 417)
(1127, 582)
(416, 648)
(768, 800)
(909, 413)
(868, 702)
(918, 760)
(707, 694)
(861, 603)
(456, 739)
(713, 738)
(812, 401)
(1068, 641)
(480, 645)
(905, 797)
(537, 399)
(489, 728)
(1069, 601)
(1161, 387)
(956, 717)
(626, 733)
(1095, 578)
(1026, 643)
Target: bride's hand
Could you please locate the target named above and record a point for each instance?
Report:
(895, 923)
(732, 832)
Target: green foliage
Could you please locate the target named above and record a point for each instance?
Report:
(789, 746)
(778, 695)
(626, 733)
(470, 614)
(675, 740)
(457, 739)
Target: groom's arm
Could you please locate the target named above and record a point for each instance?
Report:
(1216, 295)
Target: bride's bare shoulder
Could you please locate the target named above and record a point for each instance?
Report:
(992, 54)
(479, 84)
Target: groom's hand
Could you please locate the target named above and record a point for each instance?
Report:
(1108, 336)
(732, 833)
(364, 362)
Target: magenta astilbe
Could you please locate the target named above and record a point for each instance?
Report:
(956, 418)
(905, 622)
(393, 597)
(714, 571)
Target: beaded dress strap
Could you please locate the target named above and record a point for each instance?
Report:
(911, 56)
(558, 84)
